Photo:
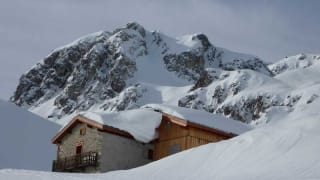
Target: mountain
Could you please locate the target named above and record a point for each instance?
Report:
(131, 66)
(25, 139)
(125, 69)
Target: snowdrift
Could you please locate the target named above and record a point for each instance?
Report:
(25, 139)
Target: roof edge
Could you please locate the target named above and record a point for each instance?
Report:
(82, 119)
(185, 123)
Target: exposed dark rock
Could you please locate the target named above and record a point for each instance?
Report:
(137, 27)
(204, 80)
(204, 41)
(186, 65)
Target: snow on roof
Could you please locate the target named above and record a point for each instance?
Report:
(140, 123)
(203, 118)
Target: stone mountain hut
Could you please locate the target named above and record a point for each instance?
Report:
(101, 142)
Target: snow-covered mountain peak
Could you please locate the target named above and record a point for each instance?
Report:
(125, 69)
(136, 26)
(194, 41)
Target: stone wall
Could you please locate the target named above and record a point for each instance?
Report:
(123, 153)
(114, 152)
(90, 141)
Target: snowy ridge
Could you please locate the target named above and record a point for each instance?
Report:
(294, 62)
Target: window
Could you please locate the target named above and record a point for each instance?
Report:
(79, 149)
(174, 148)
(82, 131)
(168, 124)
(150, 154)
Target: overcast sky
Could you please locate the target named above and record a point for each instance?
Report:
(30, 29)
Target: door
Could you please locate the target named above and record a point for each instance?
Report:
(79, 149)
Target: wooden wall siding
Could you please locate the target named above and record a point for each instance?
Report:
(169, 134)
(170, 130)
(212, 137)
(197, 137)
(186, 137)
(161, 149)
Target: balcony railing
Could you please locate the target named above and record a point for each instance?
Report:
(75, 163)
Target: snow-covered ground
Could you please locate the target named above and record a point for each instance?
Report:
(25, 139)
(286, 148)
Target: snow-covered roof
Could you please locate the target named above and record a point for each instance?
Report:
(142, 123)
(203, 118)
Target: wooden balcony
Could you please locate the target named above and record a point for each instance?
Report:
(75, 163)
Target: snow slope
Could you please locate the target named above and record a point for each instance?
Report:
(25, 139)
(301, 78)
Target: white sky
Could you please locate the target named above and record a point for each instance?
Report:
(29, 30)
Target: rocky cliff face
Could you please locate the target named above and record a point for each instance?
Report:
(130, 67)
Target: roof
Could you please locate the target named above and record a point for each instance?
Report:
(80, 119)
(141, 124)
(202, 118)
(186, 123)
